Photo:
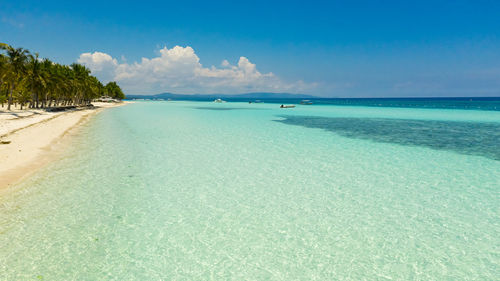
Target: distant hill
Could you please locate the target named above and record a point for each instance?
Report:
(222, 96)
(271, 96)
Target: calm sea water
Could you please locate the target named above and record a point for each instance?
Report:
(238, 191)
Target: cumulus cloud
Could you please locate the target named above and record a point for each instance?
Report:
(179, 70)
(100, 63)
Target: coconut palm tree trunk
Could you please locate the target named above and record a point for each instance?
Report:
(10, 96)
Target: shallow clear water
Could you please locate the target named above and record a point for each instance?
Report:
(200, 191)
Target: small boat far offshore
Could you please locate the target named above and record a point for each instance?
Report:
(219, 100)
(287, 106)
(308, 102)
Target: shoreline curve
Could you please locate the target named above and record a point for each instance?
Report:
(39, 142)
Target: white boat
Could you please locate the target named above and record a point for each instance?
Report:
(256, 101)
(306, 102)
(219, 101)
(287, 106)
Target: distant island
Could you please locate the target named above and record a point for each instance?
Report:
(200, 97)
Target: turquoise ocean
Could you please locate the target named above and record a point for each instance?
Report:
(191, 190)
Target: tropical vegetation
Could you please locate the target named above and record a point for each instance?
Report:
(31, 82)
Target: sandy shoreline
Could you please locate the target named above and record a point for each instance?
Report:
(36, 138)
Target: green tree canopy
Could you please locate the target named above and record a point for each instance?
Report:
(113, 90)
(26, 79)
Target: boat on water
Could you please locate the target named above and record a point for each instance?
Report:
(219, 101)
(287, 106)
(308, 102)
(256, 101)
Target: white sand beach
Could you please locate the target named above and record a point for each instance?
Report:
(31, 138)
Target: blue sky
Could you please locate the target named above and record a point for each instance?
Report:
(325, 48)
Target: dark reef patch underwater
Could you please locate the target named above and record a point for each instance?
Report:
(482, 139)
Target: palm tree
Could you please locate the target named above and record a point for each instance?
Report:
(22, 93)
(24, 78)
(16, 58)
(113, 90)
(80, 81)
(52, 81)
(4, 67)
(36, 80)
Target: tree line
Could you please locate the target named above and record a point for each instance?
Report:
(32, 82)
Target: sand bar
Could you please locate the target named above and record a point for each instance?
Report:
(33, 138)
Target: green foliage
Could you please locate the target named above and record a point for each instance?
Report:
(113, 90)
(24, 78)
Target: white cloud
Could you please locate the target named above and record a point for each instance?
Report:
(100, 63)
(179, 70)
